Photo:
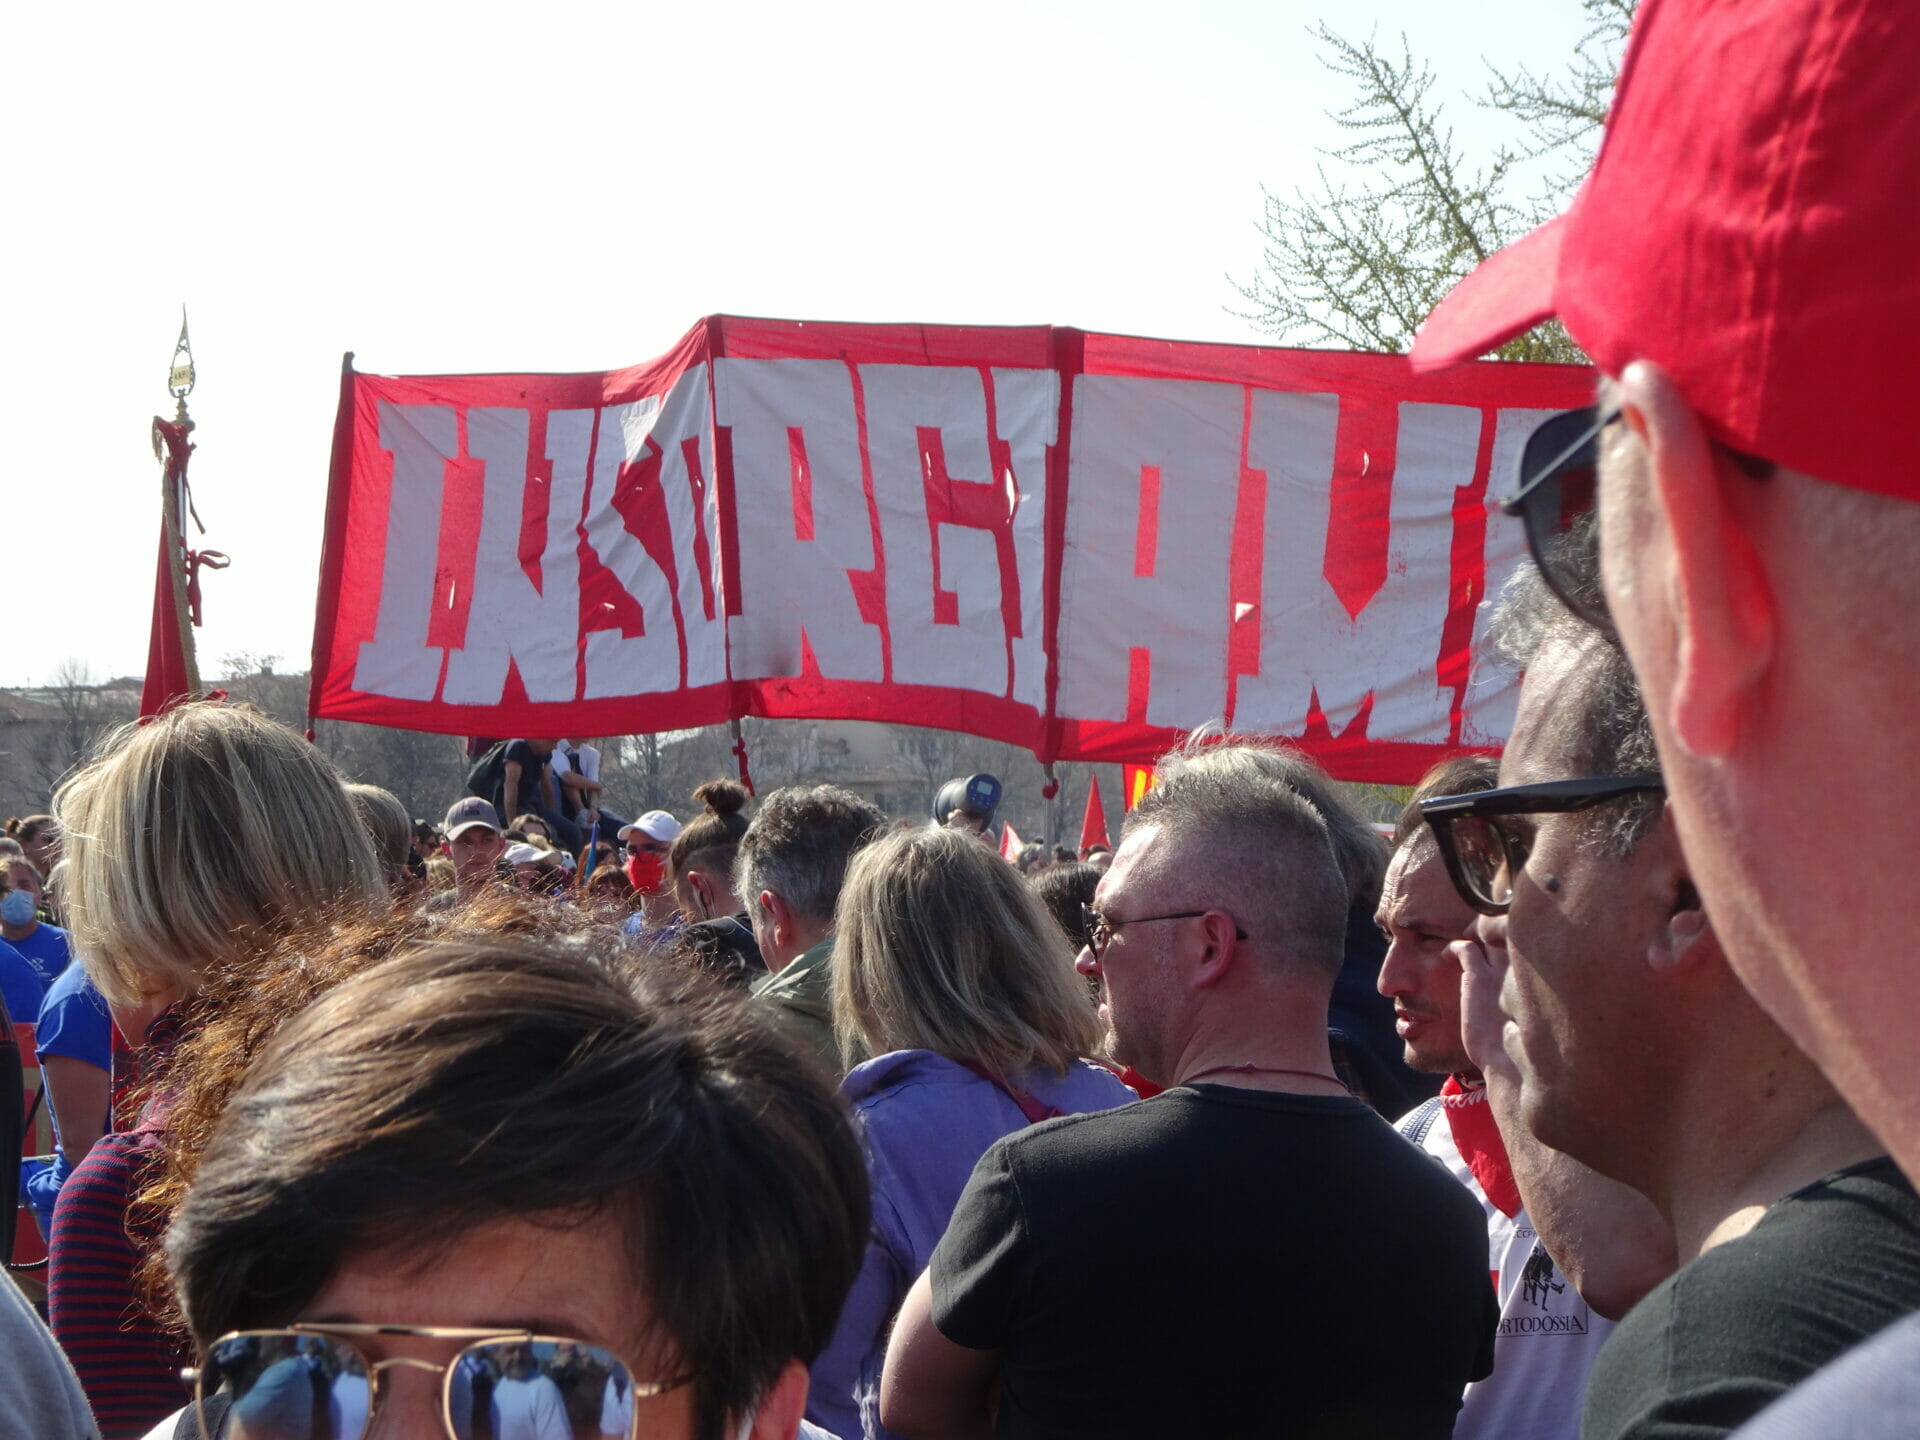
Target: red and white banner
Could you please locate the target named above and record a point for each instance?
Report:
(1083, 544)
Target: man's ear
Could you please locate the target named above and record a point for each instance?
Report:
(1218, 930)
(778, 917)
(778, 1415)
(1721, 606)
(1685, 936)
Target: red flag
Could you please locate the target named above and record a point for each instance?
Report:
(169, 680)
(171, 674)
(1093, 829)
(1010, 844)
(1136, 780)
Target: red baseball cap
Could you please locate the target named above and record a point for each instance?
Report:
(1752, 224)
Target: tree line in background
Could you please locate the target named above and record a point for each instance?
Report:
(898, 766)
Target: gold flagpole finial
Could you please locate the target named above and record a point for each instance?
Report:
(180, 377)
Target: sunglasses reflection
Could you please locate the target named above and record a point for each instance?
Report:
(287, 1386)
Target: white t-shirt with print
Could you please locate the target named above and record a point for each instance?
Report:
(1548, 1338)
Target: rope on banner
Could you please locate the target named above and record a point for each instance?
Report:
(1052, 787)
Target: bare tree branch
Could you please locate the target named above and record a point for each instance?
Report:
(1401, 213)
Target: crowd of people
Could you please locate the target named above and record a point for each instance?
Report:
(537, 1123)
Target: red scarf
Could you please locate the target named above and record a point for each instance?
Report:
(1477, 1138)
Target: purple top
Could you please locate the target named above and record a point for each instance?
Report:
(926, 1121)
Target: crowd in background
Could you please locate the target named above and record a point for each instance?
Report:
(1017, 1094)
(912, 966)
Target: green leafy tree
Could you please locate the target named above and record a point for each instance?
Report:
(1402, 212)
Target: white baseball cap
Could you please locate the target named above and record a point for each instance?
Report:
(655, 825)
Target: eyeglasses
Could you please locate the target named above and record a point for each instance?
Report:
(1555, 505)
(311, 1382)
(1482, 856)
(1100, 931)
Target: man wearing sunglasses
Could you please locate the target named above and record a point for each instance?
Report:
(1287, 1249)
(1599, 1246)
(1740, 264)
(1639, 1053)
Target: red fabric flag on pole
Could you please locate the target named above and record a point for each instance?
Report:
(1010, 844)
(172, 675)
(169, 676)
(1093, 828)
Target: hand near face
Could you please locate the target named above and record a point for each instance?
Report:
(1481, 1019)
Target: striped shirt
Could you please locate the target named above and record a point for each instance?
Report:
(128, 1366)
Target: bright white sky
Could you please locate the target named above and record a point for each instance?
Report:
(480, 187)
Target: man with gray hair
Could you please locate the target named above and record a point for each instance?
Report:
(1300, 1268)
(1639, 1053)
(788, 872)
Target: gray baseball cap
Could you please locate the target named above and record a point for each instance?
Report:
(468, 813)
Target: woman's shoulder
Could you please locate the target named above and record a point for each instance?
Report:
(924, 1077)
(885, 1075)
(111, 1158)
(1085, 1086)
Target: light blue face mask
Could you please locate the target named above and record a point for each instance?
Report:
(16, 907)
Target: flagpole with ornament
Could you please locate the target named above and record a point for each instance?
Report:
(172, 673)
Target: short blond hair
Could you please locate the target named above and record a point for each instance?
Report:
(940, 945)
(191, 838)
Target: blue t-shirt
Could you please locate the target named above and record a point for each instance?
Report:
(46, 950)
(74, 1020)
(20, 985)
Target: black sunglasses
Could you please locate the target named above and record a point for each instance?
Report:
(1482, 856)
(1555, 506)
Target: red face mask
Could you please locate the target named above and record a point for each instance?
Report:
(646, 870)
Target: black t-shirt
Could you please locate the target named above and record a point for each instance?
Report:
(532, 767)
(1219, 1262)
(1724, 1336)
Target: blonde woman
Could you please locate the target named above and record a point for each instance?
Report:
(947, 970)
(192, 843)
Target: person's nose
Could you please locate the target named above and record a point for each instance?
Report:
(409, 1407)
(1392, 980)
(1087, 963)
